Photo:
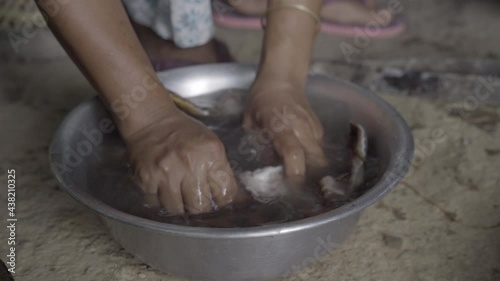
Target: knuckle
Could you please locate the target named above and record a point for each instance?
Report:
(143, 175)
(214, 145)
(164, 163)
(184, 154)
(164, 159)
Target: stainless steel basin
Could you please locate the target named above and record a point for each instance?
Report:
(255, 253)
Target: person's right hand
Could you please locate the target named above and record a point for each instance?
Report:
(182, 162)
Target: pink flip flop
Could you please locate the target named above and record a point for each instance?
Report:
(225, 15)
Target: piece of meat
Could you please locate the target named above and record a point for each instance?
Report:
(266, 184)
(341, 188)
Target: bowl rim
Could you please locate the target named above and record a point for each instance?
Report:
(393, 175)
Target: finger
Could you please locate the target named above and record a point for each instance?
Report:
(289, 148)
(222, 184)
(315, 125)
(248, 123)
(152, 201)
(306, 138)
(170, 193)
(242, 196)
(196, 193)
(315, 156)
(295, 181)
(317, 128)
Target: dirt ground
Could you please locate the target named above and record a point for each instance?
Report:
(441, 224)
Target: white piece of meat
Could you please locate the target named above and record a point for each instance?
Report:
(266, 184)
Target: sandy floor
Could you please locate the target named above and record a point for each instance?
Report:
(442, 223)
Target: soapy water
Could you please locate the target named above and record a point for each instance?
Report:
(114, 182)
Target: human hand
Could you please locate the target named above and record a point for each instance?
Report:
(283, 112)
(182, 162)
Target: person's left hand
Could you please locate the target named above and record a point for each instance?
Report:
(282, 112)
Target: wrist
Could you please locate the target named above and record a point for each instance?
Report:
(278, 84)
(132, 115)
(283, 66)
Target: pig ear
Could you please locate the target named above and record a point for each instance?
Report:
(359, 141)
(360, 149)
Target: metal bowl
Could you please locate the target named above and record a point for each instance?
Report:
(254, 253)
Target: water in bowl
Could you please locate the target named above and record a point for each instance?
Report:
(113, 183)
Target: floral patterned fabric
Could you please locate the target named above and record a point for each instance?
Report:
(187, 22)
